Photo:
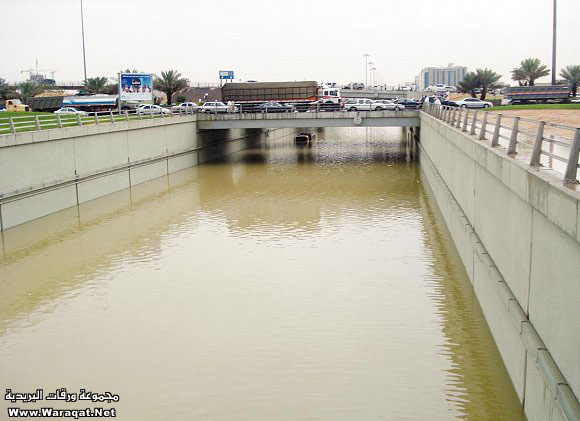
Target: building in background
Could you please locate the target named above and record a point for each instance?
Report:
(450, 75)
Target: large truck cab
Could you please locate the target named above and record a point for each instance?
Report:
(329, 95)
(16, 105)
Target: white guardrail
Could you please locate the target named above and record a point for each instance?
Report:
(25, 123)
(546, 144)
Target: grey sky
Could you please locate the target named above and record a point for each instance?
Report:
(266, 40)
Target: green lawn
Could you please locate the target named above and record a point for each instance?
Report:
(7, 114)
(25, 121)
(536, 107)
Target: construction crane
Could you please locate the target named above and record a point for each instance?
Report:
(37, 77)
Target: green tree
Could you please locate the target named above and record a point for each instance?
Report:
(487, 80)
(170, 82)
(5, 89)
(30, 89)
(96, 85)
(530, 69)
(571, 74)
(469, 84)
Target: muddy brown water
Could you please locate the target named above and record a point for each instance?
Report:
(283, 282)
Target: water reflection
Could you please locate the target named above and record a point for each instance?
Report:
(277, 283)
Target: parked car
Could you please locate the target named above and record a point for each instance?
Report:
(408, 103)
(273, 107)
(186, 107)
(70, 111)
(152, 109)
(385, 104)
(473, 103)
(214, 107)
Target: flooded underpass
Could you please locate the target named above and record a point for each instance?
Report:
(283, 282)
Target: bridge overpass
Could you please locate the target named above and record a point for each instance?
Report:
(309, 120)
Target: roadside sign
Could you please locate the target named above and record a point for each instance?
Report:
(136, 86)
(226, 74)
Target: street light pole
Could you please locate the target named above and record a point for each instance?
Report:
(83, 34)
(554, 47)
(373, 68)
(366, 56)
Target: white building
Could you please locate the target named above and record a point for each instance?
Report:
(450, 75)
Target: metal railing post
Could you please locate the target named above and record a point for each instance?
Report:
(482, 133)
(514, 137)
(572, 167)
(452, 122)
(495, 139)
(12, 126)
(59, 121)
(126, 115)
(448, 116)
(464, 127)
(537, 152)
(473, 123)
(97, 118)
(79, 120)
(459, 113)
(37, 122)
(111, 114)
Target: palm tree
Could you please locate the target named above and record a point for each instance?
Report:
(170, 82)
(487, 79)
(4, 89)
(519, 76)
(30, 89)
(531, 69)
(572, 75)
(96, 85)
(469, 84)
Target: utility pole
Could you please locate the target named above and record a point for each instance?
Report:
(554, 47)
(366, 56)
(83, 33)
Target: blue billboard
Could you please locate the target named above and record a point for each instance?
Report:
(136, 87)
(226, 74)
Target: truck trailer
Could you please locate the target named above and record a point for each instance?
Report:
(301, 96)
(524, 94)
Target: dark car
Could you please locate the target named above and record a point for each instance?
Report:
(409, 104)
(448, 103)
(273, 107)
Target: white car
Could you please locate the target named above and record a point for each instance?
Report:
(70, 111)
(473, 103)
(152, 109)
(214, 107)
(361, 104)
(385, 104)
(186, 107)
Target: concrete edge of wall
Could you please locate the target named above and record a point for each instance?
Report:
(64, 193)
(537, 352)
(541, 187)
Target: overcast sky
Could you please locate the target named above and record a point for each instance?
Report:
(275, 40)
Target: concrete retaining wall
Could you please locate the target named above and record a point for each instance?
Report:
(46, 171)
(518, 234)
